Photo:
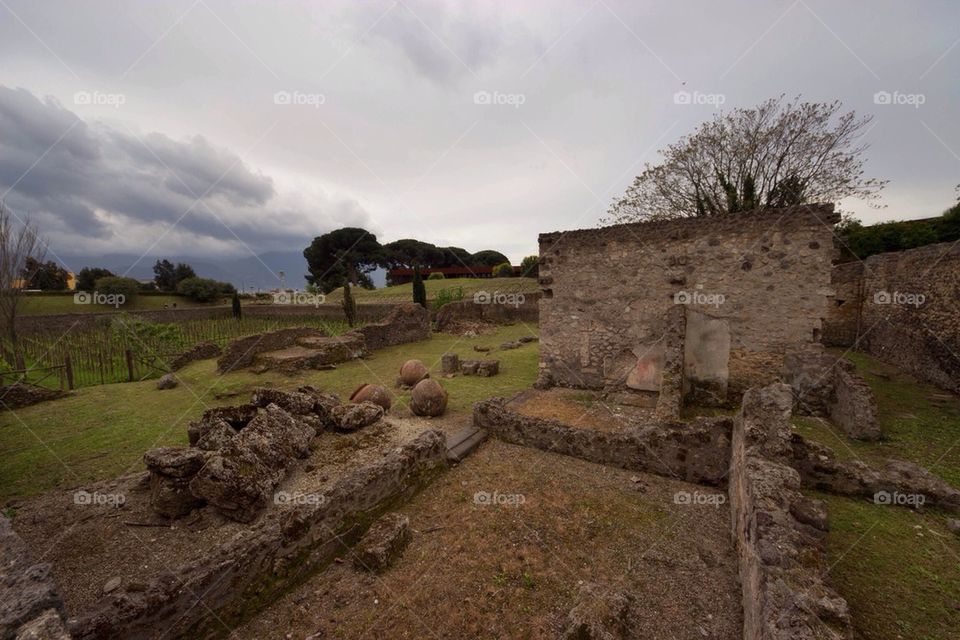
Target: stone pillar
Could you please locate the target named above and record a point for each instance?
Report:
(671, 383)
(449, 364)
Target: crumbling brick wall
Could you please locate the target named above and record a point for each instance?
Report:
(842, 324)
(606, 291)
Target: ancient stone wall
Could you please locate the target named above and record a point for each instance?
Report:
(282, 549)
(606, 291)
(407, 322)
(242, 352)
(842, 324)
(778, 532)
(911, 312)
(494, 308)
(697, 452)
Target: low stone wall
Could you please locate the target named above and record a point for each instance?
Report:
(407, 322)
(777, 531)
(202, 351)
(491, 309)
(697, 452)
(14, 396)
(252, 569)
(242, 352)
(29, 600)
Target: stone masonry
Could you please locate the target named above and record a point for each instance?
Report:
(606, 291)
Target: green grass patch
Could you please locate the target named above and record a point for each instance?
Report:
(102, 432)
(51, 304)
(919, 422)
(898, 569)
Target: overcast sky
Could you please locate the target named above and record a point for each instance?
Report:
(210, 128)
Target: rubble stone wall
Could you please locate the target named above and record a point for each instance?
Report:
(250, 570)
(697, 452)
(606, 291)
(491, 309)
(407, 322)
(242, 352)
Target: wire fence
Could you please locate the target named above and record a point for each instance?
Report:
(128, 349)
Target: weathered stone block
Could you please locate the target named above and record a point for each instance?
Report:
(383, 542)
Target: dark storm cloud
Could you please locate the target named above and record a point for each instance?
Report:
(94, 180)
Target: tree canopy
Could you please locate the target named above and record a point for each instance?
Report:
(344, 255)
(777, 154)
(168, 276)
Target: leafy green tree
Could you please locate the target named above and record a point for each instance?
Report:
(503, 270)
(349, 305)
(487, 258)
(436, 275)
(344, 255)
(454, 257)
(203, 289)
(113, 285)
(46, 276)
(163, 275)
(408, 252)
(419, 289)
(530, 267)
(88, 276)
(777, 154)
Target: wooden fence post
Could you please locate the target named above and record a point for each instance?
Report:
(68, 366)
(129, 355)
(20, 362)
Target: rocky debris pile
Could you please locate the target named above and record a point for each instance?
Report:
(412, 372)
(482, 368)
(375, 393)
(897, 483)
(167, 381)
(171, 469)
(778, 532)
(826, 386)
(600, 614)
(14, 396)
(383, 543)
(202, 351)
(30, 606)
(428, 399)
(238, 455)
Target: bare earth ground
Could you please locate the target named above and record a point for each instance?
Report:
(89, 544)
(579, 408)
(511, 566)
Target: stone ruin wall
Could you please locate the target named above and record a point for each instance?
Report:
(890, 322)
(606, 292)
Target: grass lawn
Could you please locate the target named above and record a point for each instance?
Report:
(36, 305)
(102, 432)
(899, 569)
